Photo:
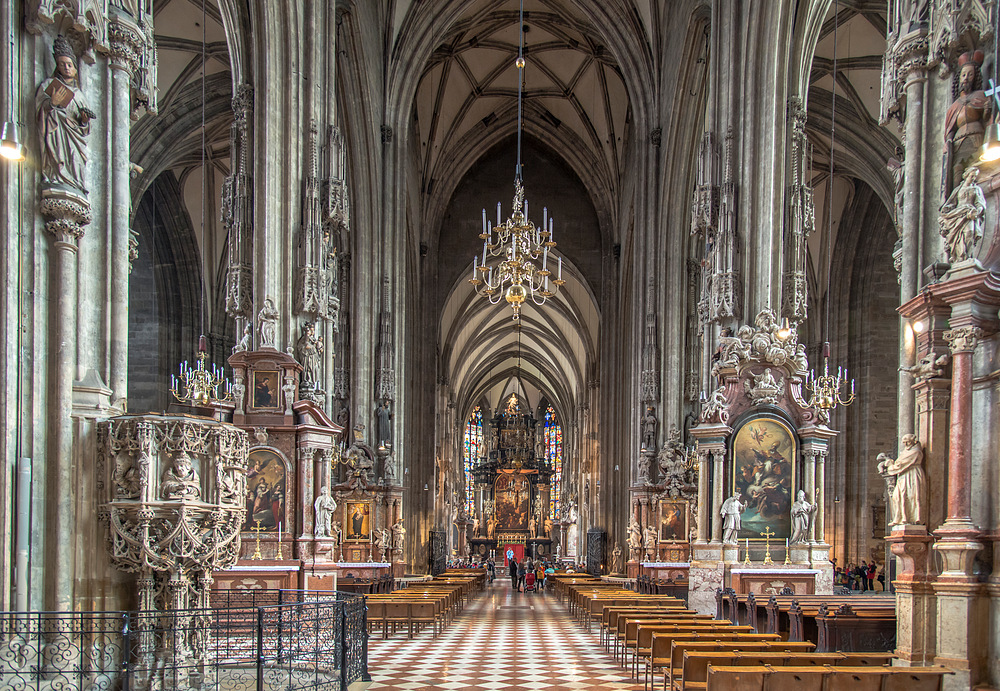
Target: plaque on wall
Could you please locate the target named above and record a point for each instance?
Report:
(438, 551)
(595, 551)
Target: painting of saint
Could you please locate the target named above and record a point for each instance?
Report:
(358, 521)
(265, 491)
(265, 389)
(512, 501)
(763, 468)
(673, 521)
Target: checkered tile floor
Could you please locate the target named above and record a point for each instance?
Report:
(503, 640)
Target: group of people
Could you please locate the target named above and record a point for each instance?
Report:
(859, 576)
(519, 572)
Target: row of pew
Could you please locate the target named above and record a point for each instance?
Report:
(856, 623)
(692, 651)
(432, 603)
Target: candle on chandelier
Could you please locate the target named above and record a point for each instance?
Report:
(484, 221)
(560, 268)
(202, 344)
(475, 265)
(545, 258)
(545, 217)
(552, 231)
(498, 213)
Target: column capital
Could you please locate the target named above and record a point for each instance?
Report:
(963, 339)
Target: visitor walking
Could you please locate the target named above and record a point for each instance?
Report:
(513, 573)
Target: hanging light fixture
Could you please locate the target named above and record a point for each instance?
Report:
(522, 274)
(828, 391)
(11, 147)
(198, 386)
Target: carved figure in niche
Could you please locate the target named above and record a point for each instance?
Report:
(309, 348)
(963, 216)
(965, 121)
(63, 122)
(324, 505)
(180, 481)
(802, 517)
(126, 477)
(384, 427)
(650, 541)
(344, 416)
(672, 452)
(907, 496)
(548, 527)
(645, 460)
(491, 527)
(896, 169)
(246, 342)
(398, 535)
(731, 512)
(931, 365)
(616, 559)
(268, 318)
(649, 429)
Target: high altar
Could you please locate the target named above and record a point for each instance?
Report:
(512, 490)
(723, 511)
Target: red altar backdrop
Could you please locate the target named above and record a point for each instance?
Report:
(518, 553)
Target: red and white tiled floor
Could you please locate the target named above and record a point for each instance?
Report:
(503, 640)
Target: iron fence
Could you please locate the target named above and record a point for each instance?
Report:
(258, 641)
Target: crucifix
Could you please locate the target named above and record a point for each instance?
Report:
(767, 535)
(256, 552)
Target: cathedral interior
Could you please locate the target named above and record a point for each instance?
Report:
(654, 289)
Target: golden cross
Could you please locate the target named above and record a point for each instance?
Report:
(767, 534)
(256, 553)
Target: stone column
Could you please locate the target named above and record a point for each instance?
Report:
(122, 61)
(819, 524)
(718, 493)
(916, 611)
(703, 495)
(809, 485)
(963, 341)
(306, 497)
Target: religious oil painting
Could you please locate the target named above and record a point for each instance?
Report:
(265, 491)
(265, 389)
(359, 521)
(763, 472)
(512, 501)
(673, 521)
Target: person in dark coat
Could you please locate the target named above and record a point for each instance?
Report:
(513, 573)
(520, 576)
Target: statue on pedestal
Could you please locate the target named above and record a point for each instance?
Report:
(616, 559)
(308, 349)
(802, 514)
(907, 496)
(649, 429)
(63, 122)
(268, 319)
(384, 427)
(398, 535)
(324, 506)
(382, 543)
(634, 540)
(731, 512)
(963, 216)
(650, 542)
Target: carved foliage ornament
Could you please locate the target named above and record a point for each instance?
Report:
(761, 343)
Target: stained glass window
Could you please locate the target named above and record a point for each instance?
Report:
(473, 451)
(553, 441)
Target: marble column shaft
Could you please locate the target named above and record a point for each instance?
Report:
(819, 524)
(809, 485)
(718, 489)
(121, 207)
(702, 495)
(960, 440)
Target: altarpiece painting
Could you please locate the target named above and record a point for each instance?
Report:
(763, 471)
(265, 491)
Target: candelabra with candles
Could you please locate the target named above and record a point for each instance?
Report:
(200, 386)
(523, 272)
(828, 391)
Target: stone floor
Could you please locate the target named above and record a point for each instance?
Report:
(502, 640)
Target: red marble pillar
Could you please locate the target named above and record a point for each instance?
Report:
(963, 342)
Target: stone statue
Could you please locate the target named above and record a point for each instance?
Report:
(965, 121)
(382, 543)
(802, 515)
(63, 122)
(336, 533)
(491, 527)
(180, 481)
(671, 453)
(268, 319)
(634, 539)
(344, 416)
(398, 535)
(324, 506)
(650, 541)
(475, 527)
(548, 527)
(931, 365)
(383, 415)
(731, 511)
(896, 169)
(907, 497)
(645, 459)
(962, 218)
(532, 527)
(716, 407)
(616, 559)
(246, 342)
(308, 349)
(649, 429)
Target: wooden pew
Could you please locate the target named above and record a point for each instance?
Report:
(679, 648)
(825, 678)
(803, 623)
(693, 672)
(610, 615)
(661, 644)
(639, 635)
(856, 631)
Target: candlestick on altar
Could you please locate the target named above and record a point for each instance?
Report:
(746, 555)
(787, 557)
(279, 556)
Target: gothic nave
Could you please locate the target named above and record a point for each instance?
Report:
(306, 295)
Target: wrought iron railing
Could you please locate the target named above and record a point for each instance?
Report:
(248, 641)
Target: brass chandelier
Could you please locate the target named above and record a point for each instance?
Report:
(826, 390)
(523, 272)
